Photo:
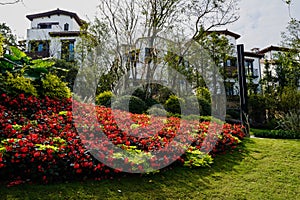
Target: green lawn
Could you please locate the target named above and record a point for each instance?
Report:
(265, 169)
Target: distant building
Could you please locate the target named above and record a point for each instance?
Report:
(53, 34)
(270, 56)
(253, 70)
(230, 65)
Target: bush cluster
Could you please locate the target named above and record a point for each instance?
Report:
(51, 86)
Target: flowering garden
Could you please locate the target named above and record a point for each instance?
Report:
(40, 141)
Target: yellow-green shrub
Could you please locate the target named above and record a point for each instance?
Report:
(104, 98)
(18, 84)
(54, 87)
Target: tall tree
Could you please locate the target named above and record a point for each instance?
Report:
(146, 27)
(288, 63)
(9, 38)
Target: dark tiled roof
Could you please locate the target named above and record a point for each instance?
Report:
(273, 48)
(253, 54)
(56, 12)
(225, 32)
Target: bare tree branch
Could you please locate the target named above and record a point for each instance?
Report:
(10, 2)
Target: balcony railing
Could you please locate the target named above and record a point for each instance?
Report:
(231, 72)
(38, 54)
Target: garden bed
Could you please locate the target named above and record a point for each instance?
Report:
(40, 143)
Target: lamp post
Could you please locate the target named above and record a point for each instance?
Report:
(243, 88)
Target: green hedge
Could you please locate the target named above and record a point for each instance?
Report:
(277, 134)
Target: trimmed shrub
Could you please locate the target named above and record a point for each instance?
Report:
(140, 93)
(173, 104)
(277, 134)
(157, 110)
(104, 98)
(54, 87)
(15, 85)
(136, 105)
(204, 93)
(233, 113)
(150, 102)
(205, 107)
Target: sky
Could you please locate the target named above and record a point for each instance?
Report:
(260, 24)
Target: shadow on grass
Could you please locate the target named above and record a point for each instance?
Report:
(172, 182)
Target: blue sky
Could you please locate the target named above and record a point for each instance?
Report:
(260, 23)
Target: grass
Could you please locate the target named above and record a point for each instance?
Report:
(261, 169)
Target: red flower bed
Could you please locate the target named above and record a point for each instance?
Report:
(41, 140)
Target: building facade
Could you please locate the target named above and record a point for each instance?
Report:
(53, 34)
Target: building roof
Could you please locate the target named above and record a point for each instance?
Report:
(225, 32)
(56, 12)
(253, 54)
(273, 48)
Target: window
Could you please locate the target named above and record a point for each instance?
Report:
(40, 47)
(47, 25)
(231, 62)
(255, 72)
(66, 27)
(67, 50)
(229, 87)
(249, 67)
(228, 63)
(44, 26)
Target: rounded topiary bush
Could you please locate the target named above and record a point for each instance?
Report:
(173, 104)
(135, 104)
(157, 110)
(192, 102)
(204, 93)
(104, 98)
(54, 87)
(150, 102)
(204, 106)
(140, 93)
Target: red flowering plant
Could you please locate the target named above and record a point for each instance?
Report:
(40, 141)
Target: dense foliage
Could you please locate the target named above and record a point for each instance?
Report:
(39, 141)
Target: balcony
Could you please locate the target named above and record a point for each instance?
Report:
(231, 72)
(38, 54)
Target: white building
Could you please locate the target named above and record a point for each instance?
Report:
(230, 66)
(252, 64)
(53, 34)
(253, 69)
(270, 56)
